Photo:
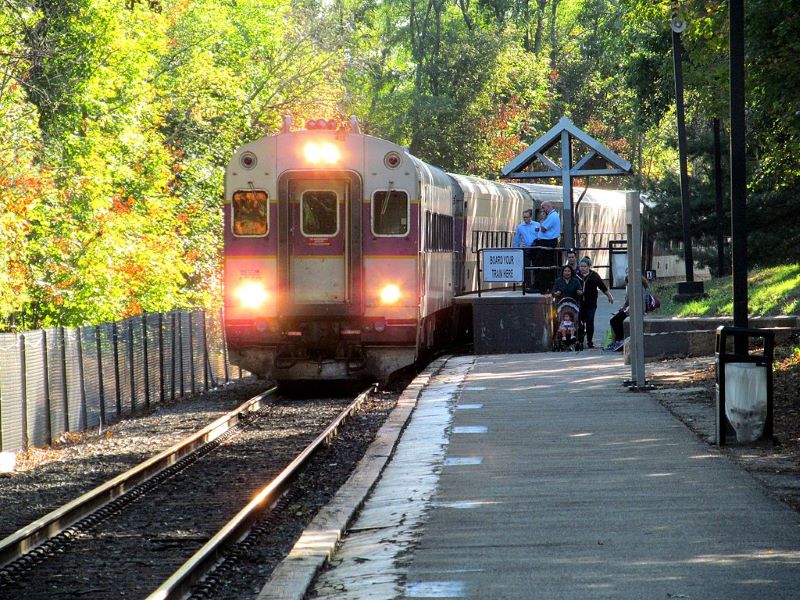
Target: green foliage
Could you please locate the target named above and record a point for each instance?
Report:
(771, 291)
(773, 129)
(117, 118)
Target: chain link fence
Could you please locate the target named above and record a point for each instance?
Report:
(61, 380)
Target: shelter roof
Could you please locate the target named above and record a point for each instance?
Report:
(533, 162)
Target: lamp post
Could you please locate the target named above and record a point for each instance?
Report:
(718, 199)
(738, 169)
(690, 288)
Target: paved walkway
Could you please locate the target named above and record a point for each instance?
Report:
(512, 481)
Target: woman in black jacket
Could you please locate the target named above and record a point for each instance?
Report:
(592, 282)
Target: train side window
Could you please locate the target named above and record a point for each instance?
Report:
(250, 213)
(319, 212)
(438, 232)
(428, 231)
(390, 212)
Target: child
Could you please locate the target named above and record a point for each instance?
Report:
(566, 329)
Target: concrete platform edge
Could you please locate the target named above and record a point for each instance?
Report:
(292, 577)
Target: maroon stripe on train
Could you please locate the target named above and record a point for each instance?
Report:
(391, 246)
(317, 246)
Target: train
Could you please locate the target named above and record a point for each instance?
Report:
(343, 252)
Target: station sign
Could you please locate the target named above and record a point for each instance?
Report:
(650, 275)
(505, 265)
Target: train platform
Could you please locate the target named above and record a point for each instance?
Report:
(512, 480)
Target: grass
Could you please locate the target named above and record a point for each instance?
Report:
(770, 292)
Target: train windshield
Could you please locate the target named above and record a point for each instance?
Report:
(390, 212)
(320, 212)
(250, 213)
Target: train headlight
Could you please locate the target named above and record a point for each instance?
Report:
(324, 153)
(251, 295)
(389, 294)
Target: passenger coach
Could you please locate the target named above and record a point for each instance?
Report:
(343, 252)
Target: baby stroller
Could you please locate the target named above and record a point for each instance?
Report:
(567, 325)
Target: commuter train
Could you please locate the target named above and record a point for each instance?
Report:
(343, 252)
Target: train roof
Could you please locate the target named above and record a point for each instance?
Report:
(542, 192)
(477, 185)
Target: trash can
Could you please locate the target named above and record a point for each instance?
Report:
(743, 386)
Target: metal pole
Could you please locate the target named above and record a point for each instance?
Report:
(132, 379)
(99, 351)
(62, 341)
(180, 351)
(146, 359)
(738, 171)
(566, 191)
(117, 385)
(173, 346)
(635, 289)
(225, 342)
(161, 390)
(718, 197)
(206, 358)
(23, 384)
(679, 110)
(191, 354)
(46, 376)
(84, 424)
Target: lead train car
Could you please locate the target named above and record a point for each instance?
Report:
(343, 252)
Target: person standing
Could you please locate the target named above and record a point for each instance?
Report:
(549, 232)
(525, 238)
(592, 283)
(572, 261)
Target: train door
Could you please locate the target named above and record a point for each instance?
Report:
(320, 243)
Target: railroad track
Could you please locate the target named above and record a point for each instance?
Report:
(159, 528)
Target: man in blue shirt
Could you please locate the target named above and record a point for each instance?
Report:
(551, 225)
(525, 237)
(549, 232)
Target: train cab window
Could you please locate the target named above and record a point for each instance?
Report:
(250, 213)
(320, 212)
(390, 212)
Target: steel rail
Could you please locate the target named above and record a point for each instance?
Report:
(206, 558)
(29, 537)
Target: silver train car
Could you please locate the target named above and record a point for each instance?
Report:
(599, 217)
(343, 253)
